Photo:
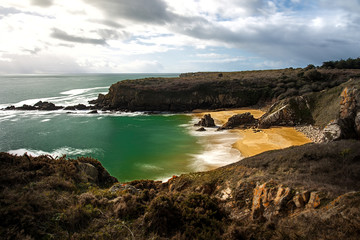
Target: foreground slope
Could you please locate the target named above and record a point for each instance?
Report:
(306, 192)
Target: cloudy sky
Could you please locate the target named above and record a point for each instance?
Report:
(119, 36)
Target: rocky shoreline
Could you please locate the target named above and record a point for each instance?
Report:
(310, 191)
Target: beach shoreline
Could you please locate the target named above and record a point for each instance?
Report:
(251, 142)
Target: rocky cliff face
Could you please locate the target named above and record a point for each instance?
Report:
(288, 112)
(180, 96)
(215, 90)
(347, 124)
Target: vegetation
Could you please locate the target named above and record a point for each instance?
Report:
(350, 63)
(45, 198)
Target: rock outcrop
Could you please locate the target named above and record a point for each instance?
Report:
(288, 112)
(42, 106)
(244, 120)
(206, 121)
(347, 125)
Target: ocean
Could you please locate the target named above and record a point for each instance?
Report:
(129, 145)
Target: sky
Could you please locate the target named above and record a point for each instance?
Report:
(174, 36)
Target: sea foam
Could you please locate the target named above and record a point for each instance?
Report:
(55, 153)
(217, 147)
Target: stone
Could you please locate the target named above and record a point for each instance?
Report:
(357, 124)
(93, 112)
(206, 121)
(332, 131)
(305, 196)
(314, 200)
(243, 120)
(202, 129)
(124, 187)
(81, 107)
(88, 172)
(299, 201)
(348, 103)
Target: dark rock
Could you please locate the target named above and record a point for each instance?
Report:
(243, 120)
(77, 107)
(81, 107)
(93, 112)
(26, 107)
(202, 129)
(206, 121)
(12, 107)
(46, 106)
(71, 108)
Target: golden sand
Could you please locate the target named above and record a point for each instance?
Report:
(252, 142)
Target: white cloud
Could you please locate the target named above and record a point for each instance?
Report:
(112, 35)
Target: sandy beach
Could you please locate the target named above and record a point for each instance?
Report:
(252, 142)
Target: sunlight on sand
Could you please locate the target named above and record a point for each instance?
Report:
(251, 142)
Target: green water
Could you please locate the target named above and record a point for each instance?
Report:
(130, 146)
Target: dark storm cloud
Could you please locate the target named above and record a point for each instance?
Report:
(59, 34)
(42, 3)
(154, 11)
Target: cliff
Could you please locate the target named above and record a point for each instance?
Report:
(334, 110)
(306, 192)
(218, 90)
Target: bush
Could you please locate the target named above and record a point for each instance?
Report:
(313, 75)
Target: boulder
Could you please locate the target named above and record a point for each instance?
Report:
(88, 172)
(202, 129)
(332, 131)
(124, 187)
(243, 120)
(357, 124)
(206, 121)
(314, 200)
(81, 107)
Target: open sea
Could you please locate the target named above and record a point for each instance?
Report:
(129, 145)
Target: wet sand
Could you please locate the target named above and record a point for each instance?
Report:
(252, 142)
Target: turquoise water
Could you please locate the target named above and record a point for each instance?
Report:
(129, 145)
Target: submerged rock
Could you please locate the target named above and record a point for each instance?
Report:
(202, 129)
